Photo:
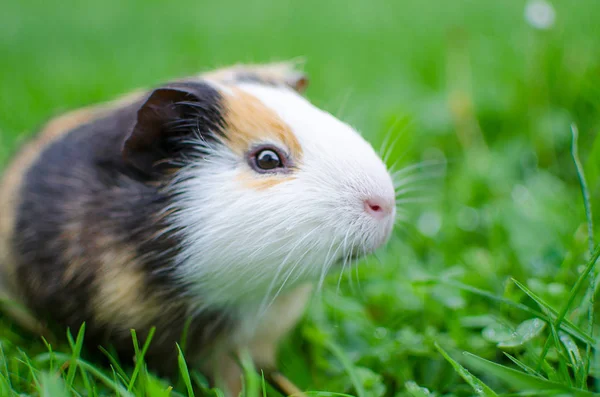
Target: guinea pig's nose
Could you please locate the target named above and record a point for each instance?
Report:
(378, 207)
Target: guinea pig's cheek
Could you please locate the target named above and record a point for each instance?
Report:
(251, 180)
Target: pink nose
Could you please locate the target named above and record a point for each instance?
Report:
(378, 207)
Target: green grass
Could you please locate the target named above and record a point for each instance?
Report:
(448, 308)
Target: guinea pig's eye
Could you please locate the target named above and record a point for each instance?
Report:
(267, 159)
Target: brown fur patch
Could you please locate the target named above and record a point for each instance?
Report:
(248, 122)
(262, 182)
(120, 296)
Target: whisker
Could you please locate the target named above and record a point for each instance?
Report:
(268, 300)
(416, 174)
(364, 253)
(413, 200)
(403, 191)
(270, 237)
(344, 103)
(345, 251)
(328, 263)
(390, 150)
(290, 272)
(386, 138)
(393, 168)
(420, 165)
(337, 290)
(374, 254)
(356, 263)
(282, 265)
(386, 154)
(415, 179)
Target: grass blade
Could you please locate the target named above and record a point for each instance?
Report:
(139, 355)
(523, 381)
(114, 376)
(579, 366)
(32, 370)
(5, 370)
(49, 347)
(251, 380)
(576, 288)
(553, 331)
(523, 366)
(339, 353)
(546, 308)
(480, 388)
(89, 368)
(75, 355)
(91, 391)
(184, 372)
(564, 371)
(597, 364)
(115, 365)
(585, 193)
(568, 327)
(185, 332)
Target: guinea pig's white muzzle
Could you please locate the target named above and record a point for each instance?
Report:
(359, 199)
(370, 212)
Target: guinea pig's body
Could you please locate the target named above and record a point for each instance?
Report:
(210, 203)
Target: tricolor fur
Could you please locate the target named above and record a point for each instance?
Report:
(154, 211)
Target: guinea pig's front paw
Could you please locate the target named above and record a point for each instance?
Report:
(284, 385)
(227, 376)
(230, 381)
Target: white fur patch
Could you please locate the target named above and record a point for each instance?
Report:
(244, 246)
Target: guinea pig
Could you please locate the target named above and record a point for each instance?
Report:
(211, 204)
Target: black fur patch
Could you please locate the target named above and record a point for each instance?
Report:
(170, 117)
(81, 198)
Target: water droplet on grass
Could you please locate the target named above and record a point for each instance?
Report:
(525, 332)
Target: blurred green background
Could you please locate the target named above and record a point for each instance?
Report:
(490, 87)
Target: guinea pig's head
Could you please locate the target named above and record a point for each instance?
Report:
(266, 190)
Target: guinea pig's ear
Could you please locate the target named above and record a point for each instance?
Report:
(165, 120)
(298, 81)
(291, 73)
